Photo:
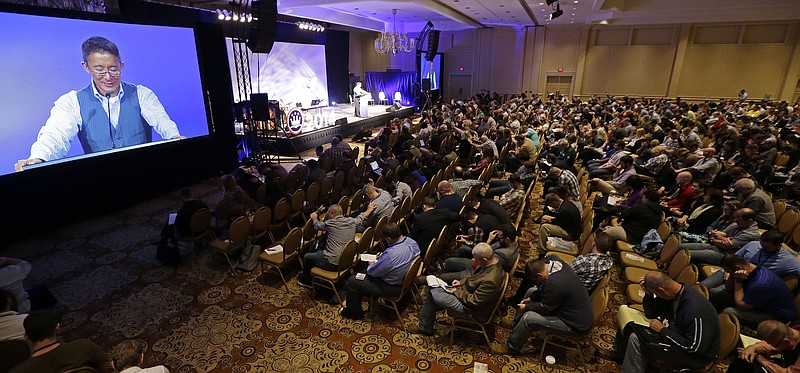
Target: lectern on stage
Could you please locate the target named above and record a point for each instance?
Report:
(363, 111)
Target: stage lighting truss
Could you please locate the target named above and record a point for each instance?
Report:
(310, 26)
(231, 16)
(394, 42)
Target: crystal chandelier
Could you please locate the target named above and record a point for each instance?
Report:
(393, 42)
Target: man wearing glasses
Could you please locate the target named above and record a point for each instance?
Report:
(106, 114)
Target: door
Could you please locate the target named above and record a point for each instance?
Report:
(559, 85)
(460, 86)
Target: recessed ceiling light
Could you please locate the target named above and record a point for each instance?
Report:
(501, 5)
(355, 8)
(575, 2)
(573, 14)
(540, 4)
(543, 10)
(466, 7)
(508, 11)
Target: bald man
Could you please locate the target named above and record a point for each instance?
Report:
(681, 319)
(448, 199)
(756, 199)
(705, 168)
(777, 338)
(682, 197)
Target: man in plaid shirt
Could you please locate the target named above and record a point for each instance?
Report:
(566, 179)
(512, 200)
(591, 267)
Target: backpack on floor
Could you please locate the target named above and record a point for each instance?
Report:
(248, 259)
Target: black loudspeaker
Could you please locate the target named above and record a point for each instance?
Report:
(397, 106)
(426, 84)
(341, 122)
(390, 109)
(262, 30)
(259, 104)
(433, 45)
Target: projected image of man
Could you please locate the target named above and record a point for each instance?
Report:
(106, 114)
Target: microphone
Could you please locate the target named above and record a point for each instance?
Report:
(110, 126)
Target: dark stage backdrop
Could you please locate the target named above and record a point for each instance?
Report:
(391, 82)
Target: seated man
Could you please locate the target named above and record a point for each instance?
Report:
(638, 220)
(448, 199)
(753, 294)
(49, 355)
(477, 227)
(128, 356)
(566, 224)
(506, 249)
(617, 184)
(428, 224)
(526, 173)
(12, 273)
(341, 229)
(183, 219)
(735, 236)
(512, 200)
(486, 206)
(758, 200)
(460, 185)
(383, 206)
(682, 196)
(473, 296)
(767, 252)
(559, 303)
(591, 267)
(777, 338)
(10, 321)
(385, 276)
(401, 189)
(681, 319)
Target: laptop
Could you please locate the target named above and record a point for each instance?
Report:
(376, 168)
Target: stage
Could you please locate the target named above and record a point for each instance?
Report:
(316, 128)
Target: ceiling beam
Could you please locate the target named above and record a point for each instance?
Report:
(528, 10)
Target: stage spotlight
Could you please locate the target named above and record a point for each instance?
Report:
(220, 16)
(227, 15)
(557, 13)
(235, 16)
(242, 18)
(249, 18)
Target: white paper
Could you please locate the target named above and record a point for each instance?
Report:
(368, 257)
(480, 368)
(612, 201)
(172, 217)
(436, 282)
(641, 293)
(635, 257)
(274, 249)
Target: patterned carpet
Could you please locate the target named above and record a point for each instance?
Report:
(197, 318)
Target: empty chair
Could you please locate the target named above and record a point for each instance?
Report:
(279, 260)
(382, 100)
(398, 97)
(238, 239)
(296, 206)
(261, 220)
(279, 217)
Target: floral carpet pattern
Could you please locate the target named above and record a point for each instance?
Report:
(196, 317)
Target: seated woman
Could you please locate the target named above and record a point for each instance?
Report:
(725, 220)
(654, 165)
(701, 217)
(486, 160)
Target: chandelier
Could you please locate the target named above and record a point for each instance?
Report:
(393, 42)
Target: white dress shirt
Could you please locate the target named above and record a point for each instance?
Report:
(55, 138)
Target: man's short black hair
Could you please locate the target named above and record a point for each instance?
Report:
(185, 193)
(98, 44)
(391, 231)
(41, 324)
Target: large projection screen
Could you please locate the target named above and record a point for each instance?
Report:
(41, 61)
(291, 73)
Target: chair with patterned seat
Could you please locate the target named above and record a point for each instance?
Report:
(329, 279)
(279, 260)
(280, 217)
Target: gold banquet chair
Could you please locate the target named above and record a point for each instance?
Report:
(470, 324)
(200, 225)
(599, 303)
(408, 285)
(329, 279)
(238, 239)
(278, 261)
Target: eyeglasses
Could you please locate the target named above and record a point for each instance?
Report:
(101, 73)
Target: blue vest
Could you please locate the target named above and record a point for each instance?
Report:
(97, 133)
